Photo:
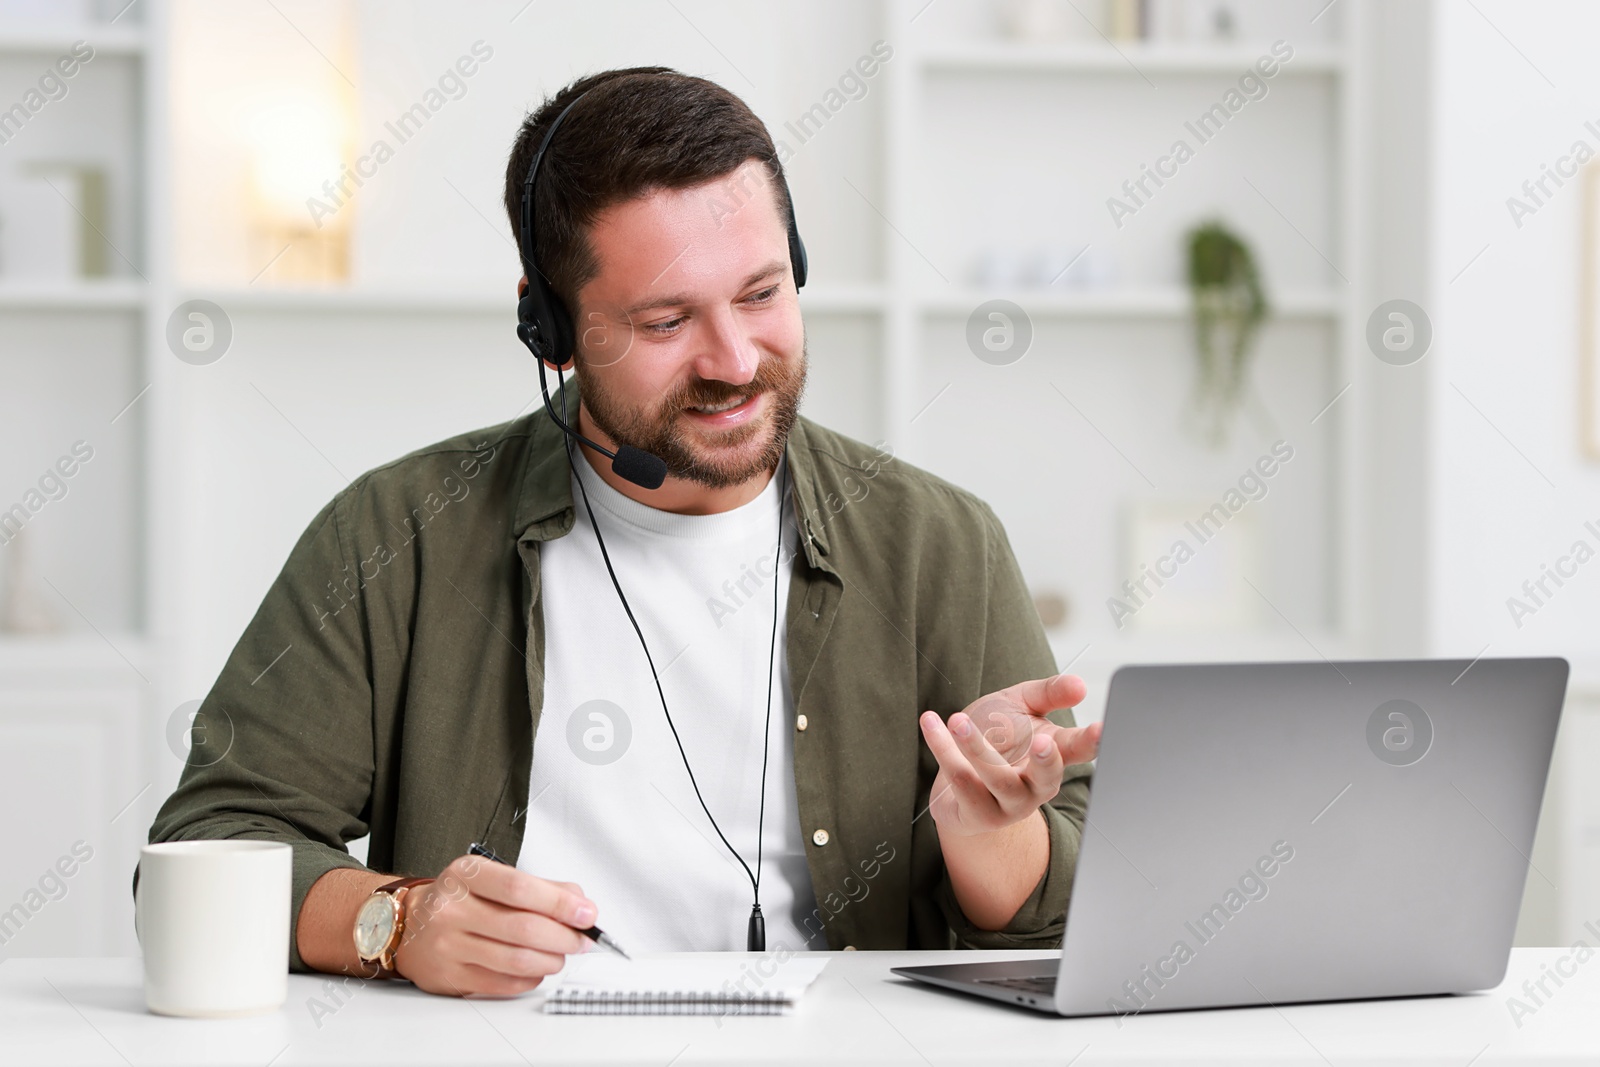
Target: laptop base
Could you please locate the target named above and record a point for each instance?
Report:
(1029, 983)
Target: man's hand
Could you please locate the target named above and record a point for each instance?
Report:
(484, 927)
(1000, 758)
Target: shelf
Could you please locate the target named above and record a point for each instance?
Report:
(434, 301)
(420, 300)
(1133, 58)
(1149, 302)
(1107, 652)
(112, 294)
(54, 39)
(73, 656)
(843, 298)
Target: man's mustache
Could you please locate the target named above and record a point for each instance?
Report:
(704, 392)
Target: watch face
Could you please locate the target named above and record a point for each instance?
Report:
(374, 925)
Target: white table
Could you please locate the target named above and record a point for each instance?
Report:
(85, 1011)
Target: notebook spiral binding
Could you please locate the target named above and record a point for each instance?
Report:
(681, 1002)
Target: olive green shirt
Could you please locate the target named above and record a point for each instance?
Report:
(390, 683)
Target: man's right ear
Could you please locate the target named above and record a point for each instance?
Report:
(522, 287)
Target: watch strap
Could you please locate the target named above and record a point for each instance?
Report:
(397, 889)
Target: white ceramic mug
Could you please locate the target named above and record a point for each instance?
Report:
(213, 919)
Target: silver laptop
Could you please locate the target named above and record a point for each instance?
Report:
(1286, 832)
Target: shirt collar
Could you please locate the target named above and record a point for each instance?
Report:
(545, 508)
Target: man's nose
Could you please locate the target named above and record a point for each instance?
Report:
(726, 353)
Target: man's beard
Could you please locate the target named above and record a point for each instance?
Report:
(659, 433)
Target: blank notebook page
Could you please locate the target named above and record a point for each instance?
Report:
(720, 983)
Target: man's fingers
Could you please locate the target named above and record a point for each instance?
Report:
(485, 982)
(1003, 780)
(1041, 769)
(965, 774)
(1044, 695)
(943, 745)
(526, 929)
(516, 961)
(519, 889)
(1078, 744)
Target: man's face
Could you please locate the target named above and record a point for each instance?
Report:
(690, 342)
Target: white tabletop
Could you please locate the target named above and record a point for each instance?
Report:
(92, 1011)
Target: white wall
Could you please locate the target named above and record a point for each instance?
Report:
(1508, 489)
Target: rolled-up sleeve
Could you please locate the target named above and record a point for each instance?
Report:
(283, 744)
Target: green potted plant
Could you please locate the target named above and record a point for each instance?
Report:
(1229, 306)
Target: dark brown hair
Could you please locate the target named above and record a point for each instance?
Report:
(640, 129)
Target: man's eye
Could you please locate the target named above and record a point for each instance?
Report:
(666, 327)
(764, 295)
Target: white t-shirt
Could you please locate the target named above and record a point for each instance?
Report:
(610, 805)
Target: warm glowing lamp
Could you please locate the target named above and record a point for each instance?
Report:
(298, 146)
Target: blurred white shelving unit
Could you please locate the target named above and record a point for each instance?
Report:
(76, 353)
(72, 295)
(1155, 302)
(50, 39)
(1128, 58)
(843, 299)
(965, 109)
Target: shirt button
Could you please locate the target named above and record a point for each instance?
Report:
(820, 837)
(800, 722)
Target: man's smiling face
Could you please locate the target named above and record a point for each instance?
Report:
(690, 342)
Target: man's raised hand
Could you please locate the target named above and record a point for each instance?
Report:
(1000, 758)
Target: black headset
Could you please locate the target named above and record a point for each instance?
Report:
(543, 322)
(545, 326)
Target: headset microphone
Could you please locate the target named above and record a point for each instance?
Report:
(642, 468)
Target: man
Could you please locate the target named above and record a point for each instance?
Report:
(447, 658)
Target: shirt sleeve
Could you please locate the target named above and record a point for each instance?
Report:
(283, 743)
(1015, 649)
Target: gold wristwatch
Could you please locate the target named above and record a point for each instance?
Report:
(381, 923)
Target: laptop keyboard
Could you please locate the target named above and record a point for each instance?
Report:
(1044, 985)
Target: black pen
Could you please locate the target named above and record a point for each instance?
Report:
(593, 933)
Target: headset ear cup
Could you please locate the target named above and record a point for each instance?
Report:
(560, 333)
(544, 326)
(797, 256)
(528, 308)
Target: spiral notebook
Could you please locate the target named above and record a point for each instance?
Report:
(721, 983)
